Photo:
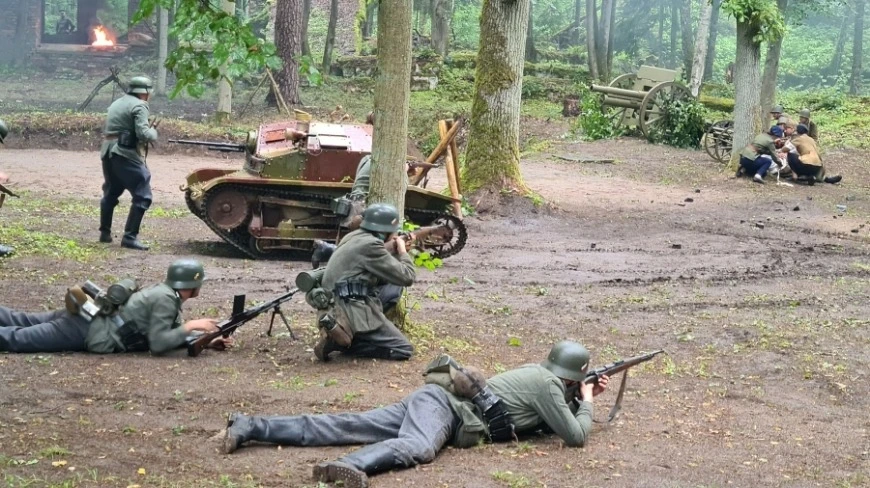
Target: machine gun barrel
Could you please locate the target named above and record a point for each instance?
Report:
(212, 146)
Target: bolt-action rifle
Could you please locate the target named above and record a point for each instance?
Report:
(239, 317)
(212, 146)
(5, 191)
(420, 235)
(610, 370)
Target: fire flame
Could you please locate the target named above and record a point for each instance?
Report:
(102, 37)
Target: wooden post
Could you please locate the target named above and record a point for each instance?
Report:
(454, 152)
(451, 172)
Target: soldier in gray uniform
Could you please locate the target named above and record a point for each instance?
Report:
(126, 137)
(4, 131)
(361, 265)
(449, 408)
(149, 320)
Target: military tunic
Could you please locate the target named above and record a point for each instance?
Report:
(361, 256)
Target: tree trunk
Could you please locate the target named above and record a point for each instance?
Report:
(371, 8)
(225, 89)
(771, 67)
(441, 18)
(604, 38)
(700, 57)
(609, 39)
(330, 35)
(675, 32)
(578, 20)
(392, 97)
(747, 94)
(531, 53)
(592, 56)
(687, 36)
(493, 154)
(661, 45)
(837, 60)
(162, 49)
(711, 42)
(306, 16)
(857, 48)
(288, 41)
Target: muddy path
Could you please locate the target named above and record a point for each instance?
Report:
(758, 294)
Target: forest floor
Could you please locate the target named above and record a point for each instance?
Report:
(759, 295)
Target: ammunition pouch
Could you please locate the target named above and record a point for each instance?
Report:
(74, 299)
(318, 298)
(341, 206)
(352, 290)
(337, 330)
(128, 139)
(131, 339)
(501, 426)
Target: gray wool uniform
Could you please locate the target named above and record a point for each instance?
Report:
(415, 429)
(55, 331)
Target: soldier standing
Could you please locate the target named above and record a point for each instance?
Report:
(126, 138)
(812, 128)
(149, 320)
(4, 131)
(402, 435)
(355, 323)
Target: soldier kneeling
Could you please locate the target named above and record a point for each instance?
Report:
(128, 320)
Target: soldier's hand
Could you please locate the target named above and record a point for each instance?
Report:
(585, 392)
(222, 343)
(202, 325)
(601, 386)
(3, 177)
(400, 245)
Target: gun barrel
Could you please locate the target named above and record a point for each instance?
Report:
(213, 146)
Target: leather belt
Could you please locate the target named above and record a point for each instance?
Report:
(110, 137)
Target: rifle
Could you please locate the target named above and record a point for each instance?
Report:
(5, 191)
(239, 317)
(621, 366)
(213, 146)
(420, 234)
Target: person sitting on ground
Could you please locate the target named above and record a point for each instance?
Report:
(525, 400)
(150, 319)
(757, 157)
(812, 128)
(805, 162)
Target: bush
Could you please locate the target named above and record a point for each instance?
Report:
(682, 125)
(593, 122)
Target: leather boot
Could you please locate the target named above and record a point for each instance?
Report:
(833, 179)
(106, 213)
(239, 430)
(5, 250)
(131, 231)
(105, 236)
(349, 476)
(353, 469)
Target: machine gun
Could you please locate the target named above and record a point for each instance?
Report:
(212, 146)
(621, 366)
(239, 317)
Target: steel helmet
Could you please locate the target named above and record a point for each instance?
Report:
(777, 109)
(140, 85)
(4, 131)
(568, 360)
(185, 274)
(805, 113)
(381, 217)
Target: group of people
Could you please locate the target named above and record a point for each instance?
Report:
(786, 149)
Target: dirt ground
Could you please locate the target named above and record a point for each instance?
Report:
(757, 293)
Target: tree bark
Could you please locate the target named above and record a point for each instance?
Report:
(604, 38)
(711, 42)
(857, 49)
(747, 94)
(392, 97)
(578, 20)
(675, 32)
(837, 60)
(661, 44)
(531, 53)
(330, 35)
(225, 89)
(592, 56)
(609, 39)
(700, 58)
(687, 36)
(306, 16)
(441, 18)
(162, 49)
(771, 67)
(288, 41)
(371, 9)
(493, 154)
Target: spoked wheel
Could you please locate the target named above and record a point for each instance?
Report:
(227, 208)
(723, 140)
(654, 107)
(618, 115)
(448, 240)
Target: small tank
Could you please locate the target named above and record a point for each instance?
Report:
(282, 199)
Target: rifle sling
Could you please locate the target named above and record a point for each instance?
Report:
(617, 407)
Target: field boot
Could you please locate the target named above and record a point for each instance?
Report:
(353, 469)
(106, 214)
(106, 236)
(131, 231)
(349, 476)
(833, 179)
(5, 250)
(238, 432)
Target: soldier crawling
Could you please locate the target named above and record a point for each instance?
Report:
(353, 319)
(457, 404)
(146, 320)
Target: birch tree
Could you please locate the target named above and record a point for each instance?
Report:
(699, 60)
(857, 48)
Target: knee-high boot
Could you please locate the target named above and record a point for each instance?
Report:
(131, 231)
(353, 470)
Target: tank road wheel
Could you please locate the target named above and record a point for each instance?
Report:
(194, 207)
(227, 208)
(654, 107)
(448, 241)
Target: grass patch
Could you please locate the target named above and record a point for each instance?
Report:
(53, 452)
(511, 479)
(48, 244)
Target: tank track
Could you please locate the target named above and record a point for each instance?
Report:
(240, 238)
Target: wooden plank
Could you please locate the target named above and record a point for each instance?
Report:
(454, 152)
(451, 171)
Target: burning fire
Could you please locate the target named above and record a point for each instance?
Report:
(102, 37)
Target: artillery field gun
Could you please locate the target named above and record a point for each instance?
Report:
(281, 200)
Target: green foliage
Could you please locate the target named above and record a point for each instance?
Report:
(426, 260)
(763, 16)
(208, 39)
(682, 125)
(593, 123)
(308, 70)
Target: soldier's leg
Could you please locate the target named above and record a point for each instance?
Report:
(317, 430)
(428, 423)
(137, 180)
(390, 296)
(112, 190)
(385, 342)
(42, 332)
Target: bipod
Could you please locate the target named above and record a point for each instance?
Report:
(277, 311)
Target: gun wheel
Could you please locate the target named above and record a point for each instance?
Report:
(447, 242)
(227, 209)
